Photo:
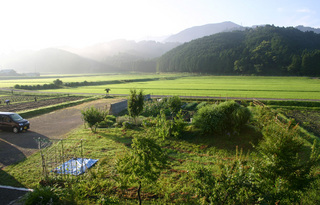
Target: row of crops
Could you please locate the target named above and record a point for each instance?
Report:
(25, 98)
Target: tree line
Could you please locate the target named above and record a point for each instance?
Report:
(266, 50)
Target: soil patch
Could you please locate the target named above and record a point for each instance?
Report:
(16, 107)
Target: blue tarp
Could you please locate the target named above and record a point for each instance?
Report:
(75, 166)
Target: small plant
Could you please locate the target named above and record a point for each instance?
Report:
(42, 195)
(135, 104)
(108, 122)
(174, 104)
(143, 164)
(170, 128)
(92, 116)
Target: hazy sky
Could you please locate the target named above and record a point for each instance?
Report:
(34, 24)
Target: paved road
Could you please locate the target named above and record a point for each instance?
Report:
(54, 125)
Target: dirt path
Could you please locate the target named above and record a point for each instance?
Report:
(54, 125)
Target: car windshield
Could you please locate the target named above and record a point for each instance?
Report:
(16, 117)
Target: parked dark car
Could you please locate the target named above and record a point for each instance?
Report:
(11, 121)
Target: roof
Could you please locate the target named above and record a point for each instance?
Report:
(7, 113)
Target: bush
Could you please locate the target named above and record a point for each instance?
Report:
(43, 195)
(200, 105)
(108, 122)
(152, 108)
(174, 104)
(92, 116)
(223, 118)
(284, 175)
(191, 106)
(170, 128)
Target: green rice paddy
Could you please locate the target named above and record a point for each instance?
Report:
(190, 85)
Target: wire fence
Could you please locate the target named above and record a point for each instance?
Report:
(55, 154)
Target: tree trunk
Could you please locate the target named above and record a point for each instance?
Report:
(139, 196)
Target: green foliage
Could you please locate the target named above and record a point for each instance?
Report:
(46, 195)
(200, 105)
(93, 116)
(265, 50)
(226, 117)
(58, 82)
(108, 121)
(166, 128)
(153, 108)
(235, 185)
(135, 103)
(107, 90)
(191, 106)
(163, 126)
(284, 175)
(143, 164)
(174, 104)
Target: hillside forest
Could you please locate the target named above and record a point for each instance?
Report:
(267, 50)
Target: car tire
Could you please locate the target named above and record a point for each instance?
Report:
(15, 130)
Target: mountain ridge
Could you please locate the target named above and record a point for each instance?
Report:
(195, 32)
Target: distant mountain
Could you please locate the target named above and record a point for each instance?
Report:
(52, 60)
(264, 50)
(140, 50)
(126, 55)
(304, 29)
(201, 31)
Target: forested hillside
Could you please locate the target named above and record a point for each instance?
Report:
(266, 50)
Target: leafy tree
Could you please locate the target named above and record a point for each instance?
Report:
(174, 104)
(135, 103)
(92, 116)
(107, 90)
(58, 82)
(143, 164)
(283, 174)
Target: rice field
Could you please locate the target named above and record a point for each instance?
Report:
(193, 85)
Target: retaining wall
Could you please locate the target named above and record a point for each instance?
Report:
(115, 108)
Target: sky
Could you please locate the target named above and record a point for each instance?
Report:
(37, 24)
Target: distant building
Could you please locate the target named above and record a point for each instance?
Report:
(8, 72)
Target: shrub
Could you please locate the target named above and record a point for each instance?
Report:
(42, 195)
(143, 164)
(234, 185)
(284, 175)
(108, 122)
(135, 104)
(152, 108)
(174, 104)
(170, 128)
(93, 116)
(200, 105)
(191, 106)
(223, 118)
